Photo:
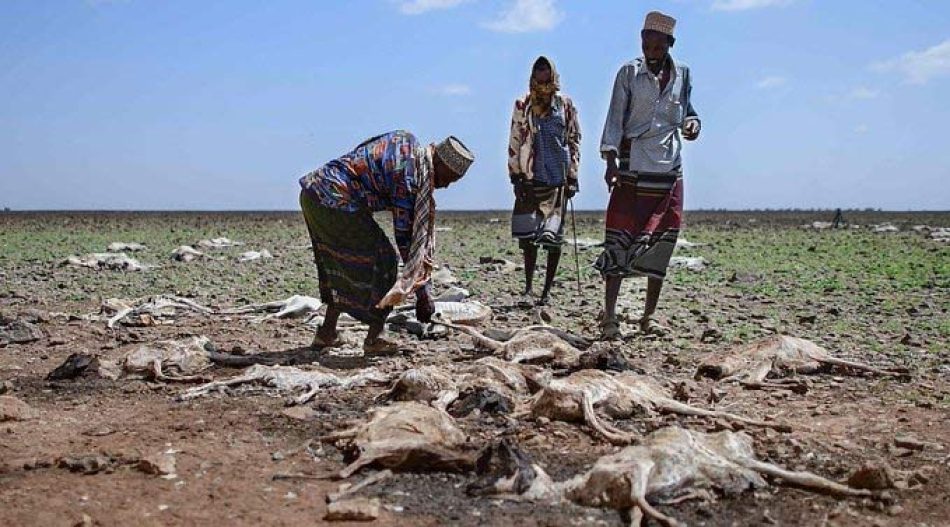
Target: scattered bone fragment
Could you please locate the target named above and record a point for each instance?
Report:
(690, 263)
(670, 465)
(121, 247)
(297, 306)
(218, 243)
(291, 379)
(150, 310)
(250, 256)
(778, 355)
(107, 261)
(580, 395)
(405, 436)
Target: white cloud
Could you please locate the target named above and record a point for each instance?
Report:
(745, 5)
(920, 66)
(453, 90)
(416, 7)
(771, 82)
(524, 16)
(863, 92)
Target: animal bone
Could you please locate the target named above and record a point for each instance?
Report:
(671, 465)
(156, 307)
(750, 364)
(110, 261)
(296, 306)
(250, 256)
(621, 396)
(407, 436)
(187, 357)
(532, 343)
(291, 379)
(467, 313)
(118, 247)
(218, 243)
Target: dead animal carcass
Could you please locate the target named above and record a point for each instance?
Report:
(580, 395)
(291, 379)
(108, 261)
(532, 344)
(297, 306)
(218, 243)
(670, 465)
(406, 436)
(148, 311)
(778, 356)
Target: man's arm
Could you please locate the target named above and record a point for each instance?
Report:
(692, 124)
(613, 128)
(573, 145)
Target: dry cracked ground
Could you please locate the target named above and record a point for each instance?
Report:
(106, 449)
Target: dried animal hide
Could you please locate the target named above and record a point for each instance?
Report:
(297, 306)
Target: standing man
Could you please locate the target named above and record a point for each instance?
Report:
(543, 156)
(356, 264)
(650, 114)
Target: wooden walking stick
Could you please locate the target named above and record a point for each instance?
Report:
(577, 262)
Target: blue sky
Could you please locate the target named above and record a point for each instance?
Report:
(183, 104)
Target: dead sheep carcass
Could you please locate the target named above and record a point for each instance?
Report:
(778, 356)
(670, 465)
(579, 396)
(405, 436)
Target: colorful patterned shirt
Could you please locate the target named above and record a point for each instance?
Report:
(379, 174)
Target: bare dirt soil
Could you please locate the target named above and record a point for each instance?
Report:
(75, 455)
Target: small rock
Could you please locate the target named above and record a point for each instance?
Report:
(13, 409)
(91, 464)
(910, 443)
(873, 476)
(355, 510)
(301, 413)
(162, 464)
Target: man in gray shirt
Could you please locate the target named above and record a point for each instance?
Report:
(650, 114)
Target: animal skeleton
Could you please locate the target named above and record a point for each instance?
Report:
(291, 379)
(575, 398)
(250, 256)
(149, 308)
(186, 357)
(404, 436)
(671, 465)
(752, 363)
(110, 261)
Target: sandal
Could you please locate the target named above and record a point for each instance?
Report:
(319, 343)
(610, 329)
(380, 346)
(649, 326)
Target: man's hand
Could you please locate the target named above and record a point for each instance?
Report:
(571, 189)
(517, 184)
(425, 307)
(611, 175)
(691, 129)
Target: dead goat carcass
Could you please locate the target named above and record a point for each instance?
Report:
(532, 344)
(119, 247)
(580, 395)
(148, 311)
(291, 379)
(780, 355)
(187, 253)
(218, 243)
(250, 256)
(108, 261)
(297, 306)
(405, 436)
(670, 465)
